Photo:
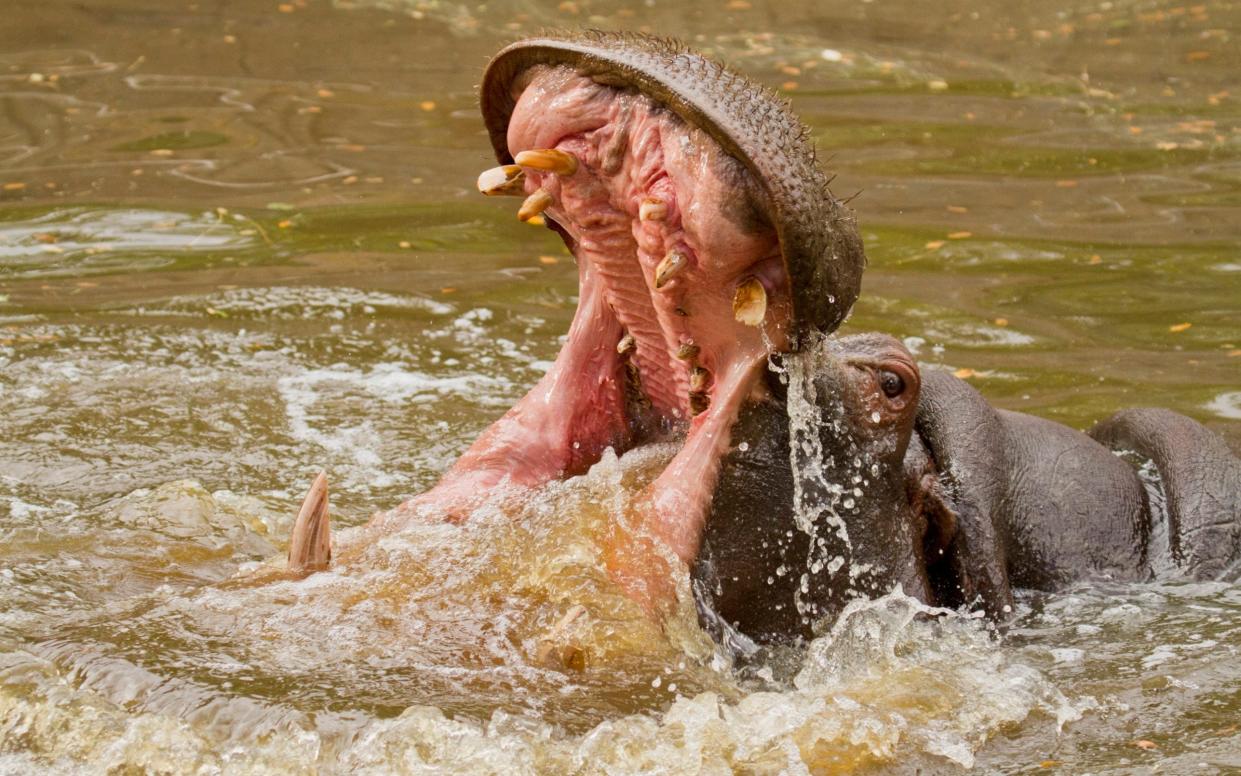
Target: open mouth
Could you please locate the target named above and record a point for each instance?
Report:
(670, 232)
(705, 239)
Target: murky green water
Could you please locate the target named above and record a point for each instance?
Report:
(239, 242)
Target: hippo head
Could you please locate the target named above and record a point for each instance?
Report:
(706, 240)
(827, 496)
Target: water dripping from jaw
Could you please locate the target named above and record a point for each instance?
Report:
(819, 489)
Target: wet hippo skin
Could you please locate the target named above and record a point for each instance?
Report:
(959, 503)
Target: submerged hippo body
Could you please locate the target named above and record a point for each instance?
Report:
(957, 502)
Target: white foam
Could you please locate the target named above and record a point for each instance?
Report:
(1226, 405)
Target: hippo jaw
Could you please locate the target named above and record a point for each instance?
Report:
(705, 237)
(705, 240)
(818, 238)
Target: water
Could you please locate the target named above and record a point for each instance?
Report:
(241, 243)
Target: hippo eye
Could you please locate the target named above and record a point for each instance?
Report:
(891, 383)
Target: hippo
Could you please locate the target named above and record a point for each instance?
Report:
(709, 247)
(917, 481)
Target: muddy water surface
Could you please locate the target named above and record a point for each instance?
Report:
(239, 242)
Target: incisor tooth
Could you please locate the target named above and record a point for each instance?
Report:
(534, 204)
(688, 351)
(750, 302)
(625, 345)
(652, 209)
(505, 180)
(548, 160)
(672, 264)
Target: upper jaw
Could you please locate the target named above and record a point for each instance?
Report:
(817, 240)
(667, 221)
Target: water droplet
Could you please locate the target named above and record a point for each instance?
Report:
(744, 446)
(849, 502)
(656, 681)
(874, 417)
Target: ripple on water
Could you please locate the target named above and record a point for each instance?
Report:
(79, 241)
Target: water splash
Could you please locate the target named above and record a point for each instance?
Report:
(823, 486)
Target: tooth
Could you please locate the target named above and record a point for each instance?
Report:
(505, 180)
(750, 302)
(672, 265)
(548, 160)
(688, 351)
(652, 209)
(535, 204)
(698, 379)
(310, 547)
(698, 402)
(626, 344)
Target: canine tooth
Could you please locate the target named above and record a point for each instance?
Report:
(548, 160)
(672, 264)
(505, 180)
(652, 209)
(534, 204)
(310, 547)
(750, 302)
(698, 379)
(688, 351)
(626, 344)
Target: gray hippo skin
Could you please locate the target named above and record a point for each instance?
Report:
(959, 503)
